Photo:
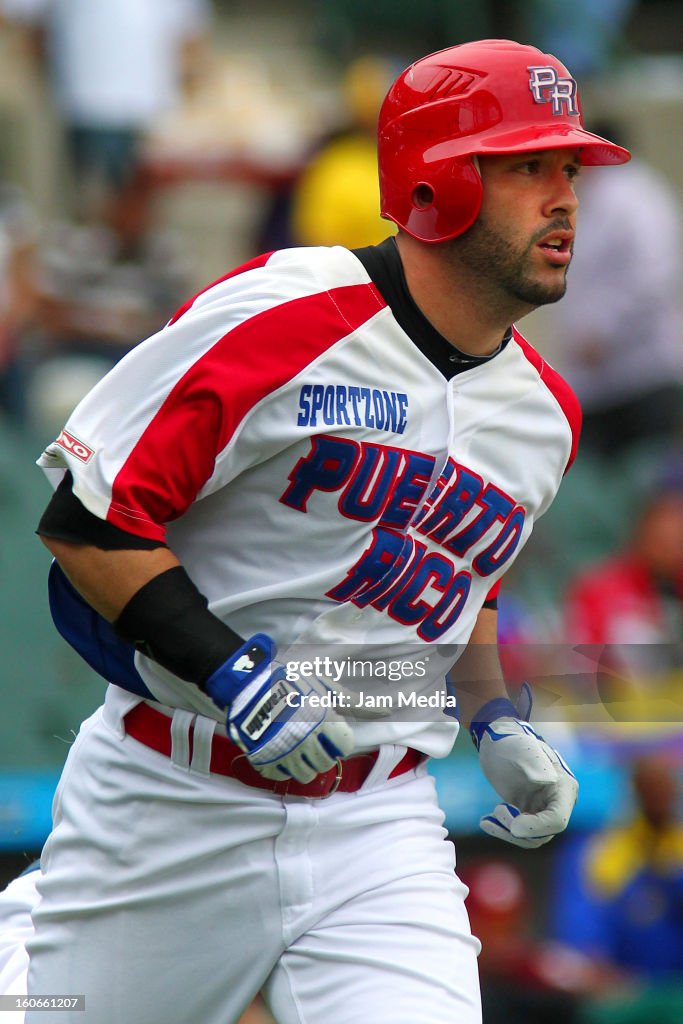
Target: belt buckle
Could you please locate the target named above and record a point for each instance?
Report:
(337, 780)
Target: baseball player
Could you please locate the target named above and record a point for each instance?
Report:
(17, 901)
(327, 459)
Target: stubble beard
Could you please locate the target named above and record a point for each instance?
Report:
(501, 268)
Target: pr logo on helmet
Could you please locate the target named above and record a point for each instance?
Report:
(547, 87)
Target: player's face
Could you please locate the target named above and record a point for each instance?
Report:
(523, 238)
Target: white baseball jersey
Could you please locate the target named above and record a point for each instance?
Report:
(319, 476)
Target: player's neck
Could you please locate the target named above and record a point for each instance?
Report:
(453, 301)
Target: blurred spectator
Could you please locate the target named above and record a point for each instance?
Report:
(619, 898)
(525, 979)
(18, 300)
(335, 198)
(98, 304)
(632, 602)
(347, 26)
(94, 307)
(586, 35)
(620, 329)
(114, 69)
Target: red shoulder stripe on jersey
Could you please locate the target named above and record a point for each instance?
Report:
(258, 261)
(558, 387)
(494, 591)
(176, 453)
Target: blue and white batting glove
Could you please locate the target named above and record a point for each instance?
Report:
(280, 725)
(539, 790)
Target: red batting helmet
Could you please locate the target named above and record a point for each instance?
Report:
(490, 96)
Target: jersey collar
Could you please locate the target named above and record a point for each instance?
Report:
(383, 265)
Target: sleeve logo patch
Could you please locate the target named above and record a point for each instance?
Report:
(74, 447)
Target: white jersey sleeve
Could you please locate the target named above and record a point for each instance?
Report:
(161, 429)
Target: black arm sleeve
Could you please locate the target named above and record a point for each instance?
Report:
(66, 518)
(168, 619)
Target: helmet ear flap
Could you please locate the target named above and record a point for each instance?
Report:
(447, 202)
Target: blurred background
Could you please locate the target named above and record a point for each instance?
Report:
(147, 147)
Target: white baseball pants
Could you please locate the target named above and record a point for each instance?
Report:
(170, 895)
(16, 903)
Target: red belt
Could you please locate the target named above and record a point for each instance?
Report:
(153, 728)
